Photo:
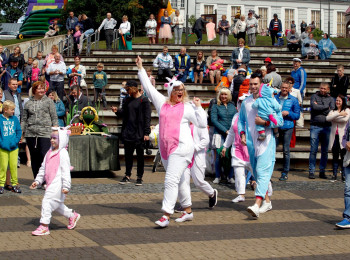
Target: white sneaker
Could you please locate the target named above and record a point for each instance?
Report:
(185, 217)
(254, 210)
(163, 222)
(232, 180)
(217, 180)
(240, 198)
(265, 207)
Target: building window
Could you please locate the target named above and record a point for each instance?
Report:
(288, 18)
(315, 16)
(234, 11)
(173, 4)
(208, 9)
(263, 18)
(183, 3)
(341, 24)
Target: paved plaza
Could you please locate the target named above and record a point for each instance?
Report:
(118, 222)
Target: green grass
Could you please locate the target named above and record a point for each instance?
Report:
(17, 41)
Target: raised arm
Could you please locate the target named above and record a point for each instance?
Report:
(197, 115)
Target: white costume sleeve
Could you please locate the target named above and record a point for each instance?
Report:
(40, 177)
(197, 116)
(65, 169)
(157, 99)
(204, 139)
(231, 135)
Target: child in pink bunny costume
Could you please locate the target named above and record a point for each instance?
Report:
(175, 140)
(55, 170)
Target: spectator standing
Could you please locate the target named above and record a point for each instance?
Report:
(34, 74)
(39, 58)
(299, 75)
(271, 74)
(4, 61)
(13, 71)
(293, 40)
(210, 27)
(71, 22)
(76, 73)
(60, 109)
(321, 104)
(326, 47)
(339, 117)
(20, 57)
(303, 26)
(124, 31)
(241, 55)
(27, 72)
(100, 82)
(241, 28)
(293, 25)
(164, 63)
(39, 115)
(198, 26)
(290, 112)
(12, 95)
(199, 67)
(10, 136)
(340, 83)
(223, 26)
(178, 24)
(221, 117)
(252, 25)
(274, 28)
(151, 27)
(136, 114)
(182, 65)
(57, 70)
(49, 58)
(165, 29)
(108, 25)
(214, 74)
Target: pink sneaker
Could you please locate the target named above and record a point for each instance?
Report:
(41, 231)
(73, 220)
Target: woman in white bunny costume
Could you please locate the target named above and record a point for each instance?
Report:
(175, 139)
(55, 170)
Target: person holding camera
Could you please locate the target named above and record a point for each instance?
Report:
(136, 114)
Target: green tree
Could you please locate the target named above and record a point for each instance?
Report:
(138, 11)
(13, 10)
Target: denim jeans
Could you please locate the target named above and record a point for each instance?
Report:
(285, 137)
(199, 35)
(346, 213)
(178, 34)
(319, 134)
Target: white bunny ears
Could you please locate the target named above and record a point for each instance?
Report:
(171, 84)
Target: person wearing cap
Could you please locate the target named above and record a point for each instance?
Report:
(240, 55)
(293, 40)
(299, 75)
(175, 140)
(13, 71)
(290, 112)
(262, 154)
(136, 114)
(252, 25)
(274, 28)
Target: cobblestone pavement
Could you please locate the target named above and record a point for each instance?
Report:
(118, 222)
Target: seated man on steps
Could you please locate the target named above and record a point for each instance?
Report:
(164, 63)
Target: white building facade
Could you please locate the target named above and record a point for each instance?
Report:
(320, 11)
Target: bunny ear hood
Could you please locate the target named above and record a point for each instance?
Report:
(63, 136)
(171, 84)
(265, 90)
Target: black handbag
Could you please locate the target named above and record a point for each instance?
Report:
(128, 37)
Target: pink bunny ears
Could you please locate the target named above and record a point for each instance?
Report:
(171, 84)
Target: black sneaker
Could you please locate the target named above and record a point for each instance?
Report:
(138, 182)
(311, 176)
(343, 178)
(125, 180)
(8, 187)
(213, 200)
(2, 190)
(283, 177)
(333, 179)
(323, 176)
(16, 189)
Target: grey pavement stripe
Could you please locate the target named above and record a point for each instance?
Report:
(308, 257)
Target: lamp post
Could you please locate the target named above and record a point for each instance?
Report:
(187, 21)
(329, 18)
(320, 16)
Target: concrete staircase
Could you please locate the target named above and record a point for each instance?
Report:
(120, 66)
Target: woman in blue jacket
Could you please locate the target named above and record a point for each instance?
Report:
(221, 117)
(60, 109)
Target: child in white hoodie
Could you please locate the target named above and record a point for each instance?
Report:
(55, 170)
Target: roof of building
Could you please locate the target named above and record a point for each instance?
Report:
(10, 27)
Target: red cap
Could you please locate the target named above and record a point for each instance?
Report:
(268, 60)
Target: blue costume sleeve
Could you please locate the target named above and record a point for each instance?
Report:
(242, 119)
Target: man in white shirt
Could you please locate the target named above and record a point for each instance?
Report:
(57, 70)
(108, 25)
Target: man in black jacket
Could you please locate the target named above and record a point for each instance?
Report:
(340, 83)
(136, 114)
(321, 103)
(77, 97)
(198, 27)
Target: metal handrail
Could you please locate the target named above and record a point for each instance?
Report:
(89, 43)
(66, 45)
(115, 39)
(29, 51)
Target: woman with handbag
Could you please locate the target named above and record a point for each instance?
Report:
(125, 39)
(339, 118)
(240, 28)
(221, 117)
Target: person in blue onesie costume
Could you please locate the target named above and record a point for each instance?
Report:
(261, 152)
